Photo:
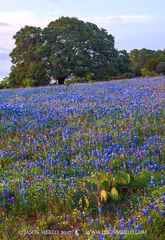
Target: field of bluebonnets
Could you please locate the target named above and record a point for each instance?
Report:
(86, 157)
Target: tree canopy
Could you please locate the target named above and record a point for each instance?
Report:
(140, 58)
(27, 57)
(65, 48)
(145, 58)
(151, 66)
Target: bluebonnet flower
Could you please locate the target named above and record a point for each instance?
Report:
(151, 184)
(67, 217)
(87, 219)
(97, 222)
(162, 183)
(120, 212)
(162, 213)
(140, 226)
(100, 210)
(122, 224)
(136, 228)
(156, 208)
(114, 232)
(151, 205)
(92, 222)
(129, 224)
(135, 220)
(150, 220)
(143, 212)
(147, 210)
(65, 175)
(153, 179)
(110, 230)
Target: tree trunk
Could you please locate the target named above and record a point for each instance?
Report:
(61, 80)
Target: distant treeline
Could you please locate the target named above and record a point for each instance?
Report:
(70, 50)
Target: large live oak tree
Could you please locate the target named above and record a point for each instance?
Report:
(66, 47)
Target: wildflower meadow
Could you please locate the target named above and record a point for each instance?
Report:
(83, 161)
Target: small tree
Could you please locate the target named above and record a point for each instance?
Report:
(140, 58)
(151, 66)
(5, 82)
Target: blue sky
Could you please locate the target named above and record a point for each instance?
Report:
(135, 24)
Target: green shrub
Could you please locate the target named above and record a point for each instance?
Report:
(67, 83)
(145, 72)
(90, 76)
(76, 80)
(91, 81)
(28, 82)
(5, 83)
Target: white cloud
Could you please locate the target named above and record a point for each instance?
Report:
(3, 50)
(3, 24)
(117, 19)
(3, 1)
(20, 19)
(15, 21)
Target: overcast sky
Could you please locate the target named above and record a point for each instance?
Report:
(134, 23)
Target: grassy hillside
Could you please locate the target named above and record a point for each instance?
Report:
(83, 162)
